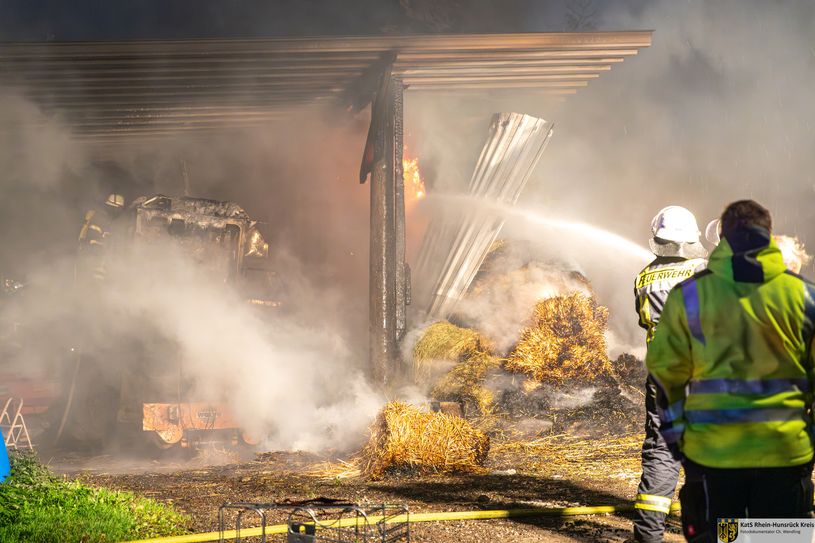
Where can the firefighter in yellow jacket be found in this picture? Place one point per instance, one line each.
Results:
(675, 243)
(733, 356)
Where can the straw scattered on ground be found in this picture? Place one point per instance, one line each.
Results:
(406, 438)
(557, 456)
(572, 457)
(565, 342)
(336, 470)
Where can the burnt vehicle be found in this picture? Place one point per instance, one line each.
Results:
(151, 393)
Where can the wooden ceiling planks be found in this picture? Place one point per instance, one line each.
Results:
(156, 88)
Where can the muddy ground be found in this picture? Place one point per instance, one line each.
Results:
(540, 456)
(557, 471)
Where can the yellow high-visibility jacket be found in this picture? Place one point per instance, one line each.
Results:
(733, 355)
(653, 284)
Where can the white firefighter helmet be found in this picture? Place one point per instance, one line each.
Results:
(675, 223)
(115, 200)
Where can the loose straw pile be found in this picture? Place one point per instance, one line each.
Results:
(565, 342)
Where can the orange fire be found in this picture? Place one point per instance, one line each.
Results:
(414, 186)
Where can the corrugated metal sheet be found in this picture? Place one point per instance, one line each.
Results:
(130, 90)
(515, 145)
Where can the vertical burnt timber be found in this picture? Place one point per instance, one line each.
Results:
(387, 249)
(401, 275)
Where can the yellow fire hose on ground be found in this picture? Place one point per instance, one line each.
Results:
(417, 517)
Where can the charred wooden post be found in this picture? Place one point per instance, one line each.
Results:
(388, 278)
(402, 275)
(382, 295)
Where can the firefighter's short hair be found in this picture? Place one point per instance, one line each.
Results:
(746, 213)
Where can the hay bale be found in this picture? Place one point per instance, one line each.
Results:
(564, 342)
(445, 341)
(405, 438)
(470, 353)
(465, 383)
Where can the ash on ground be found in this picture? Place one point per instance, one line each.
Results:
(613, 404)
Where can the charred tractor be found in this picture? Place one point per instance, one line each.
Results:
(151, 394)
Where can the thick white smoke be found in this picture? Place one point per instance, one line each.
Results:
(718, 109)
(295, 383)
(501, 304)
(293, 376)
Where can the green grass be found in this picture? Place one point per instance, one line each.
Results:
(38, 507)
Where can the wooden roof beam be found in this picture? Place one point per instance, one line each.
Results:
(152, 102)
(553, 85)
(507, 70)
(53, 79)
(208, 66)
(450, 42)
(192, 87)
(515, 55)
(187, 93)
(498, 78)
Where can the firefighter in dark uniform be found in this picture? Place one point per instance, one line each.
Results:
(94, 237)
(675, 243)
(92, 384)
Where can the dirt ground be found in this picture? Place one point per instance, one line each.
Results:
(556, 471)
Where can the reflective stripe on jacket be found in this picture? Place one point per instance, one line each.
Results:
(653, 284)
(733, 354)
(94, 229)
(93, 237)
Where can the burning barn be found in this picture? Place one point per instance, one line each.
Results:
(120, 98)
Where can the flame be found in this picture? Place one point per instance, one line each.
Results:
(414, 186)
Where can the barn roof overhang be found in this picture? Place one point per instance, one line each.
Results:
(129, 91)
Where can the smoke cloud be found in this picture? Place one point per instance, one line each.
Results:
(292, 375)
(718, 109)
(500, 304)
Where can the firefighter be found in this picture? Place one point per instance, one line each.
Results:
(675, 243)
(792, 250)
(93, 238)
(92, 380)
(733, 356)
